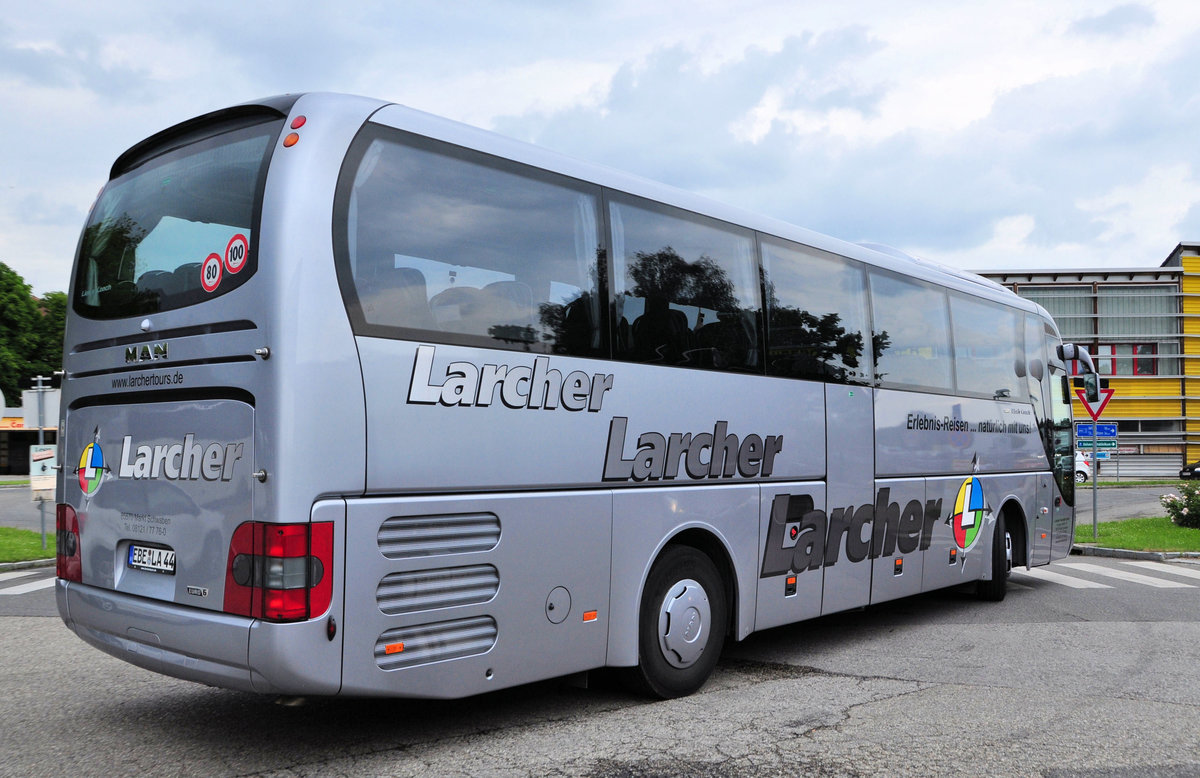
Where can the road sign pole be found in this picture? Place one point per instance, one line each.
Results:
(1095, 478)
(1095, 411)
(41, 441)
(41, 422)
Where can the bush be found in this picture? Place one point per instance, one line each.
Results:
(1184, 508)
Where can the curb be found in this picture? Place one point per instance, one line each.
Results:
(1120, 553)
(7, 566)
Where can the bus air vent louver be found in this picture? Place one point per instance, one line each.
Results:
(405, 537)
(425, 590)
(411, 646)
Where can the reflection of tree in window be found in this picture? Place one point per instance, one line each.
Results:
(664, 275)
(807, 345)
(718, 333)
(513, 333)
(571, 327)
(110, 247)
(880, 342)
(112, 243)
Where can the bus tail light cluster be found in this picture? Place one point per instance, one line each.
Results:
(68, 565)
(280, 572)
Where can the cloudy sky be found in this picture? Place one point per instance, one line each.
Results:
(983, 134)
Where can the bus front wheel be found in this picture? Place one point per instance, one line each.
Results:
(1001, 558)
(681, 624)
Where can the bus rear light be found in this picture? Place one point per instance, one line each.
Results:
(280, 572)
(68, 565)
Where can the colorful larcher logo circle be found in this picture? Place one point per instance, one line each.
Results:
(91, 469)
(969, 509)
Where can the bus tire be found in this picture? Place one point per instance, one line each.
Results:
(681, 623)
(1001, 556)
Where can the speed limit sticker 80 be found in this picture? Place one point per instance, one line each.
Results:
(210, 273)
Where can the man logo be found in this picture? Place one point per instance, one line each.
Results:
(969, 510)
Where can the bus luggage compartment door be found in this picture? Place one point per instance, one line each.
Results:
(451, 596)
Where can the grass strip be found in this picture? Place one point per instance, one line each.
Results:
(22, 545)
(1153, 534)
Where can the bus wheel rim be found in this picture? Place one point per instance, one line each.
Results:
(684, 621)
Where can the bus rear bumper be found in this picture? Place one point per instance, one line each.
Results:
(188, 643)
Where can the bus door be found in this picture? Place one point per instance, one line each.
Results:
(850, 491)
(1041, 383)
(1063, 431)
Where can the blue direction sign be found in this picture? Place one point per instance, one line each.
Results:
(1084, 430)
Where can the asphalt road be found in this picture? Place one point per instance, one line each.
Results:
(1116, 503)
(17, 509)
(1084, 674)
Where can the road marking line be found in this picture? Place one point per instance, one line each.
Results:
(1058, 578)
(1163, 567)
(16, 574)
(1121, 575)
(32, 586)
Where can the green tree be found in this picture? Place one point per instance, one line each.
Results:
(47, 354)
(31, 334)
(18, 332)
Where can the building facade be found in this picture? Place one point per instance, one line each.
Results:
(1142, 326)
(19, 429)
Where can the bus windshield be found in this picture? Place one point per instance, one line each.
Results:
(176, 230)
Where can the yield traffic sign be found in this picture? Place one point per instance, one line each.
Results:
(1098, 408)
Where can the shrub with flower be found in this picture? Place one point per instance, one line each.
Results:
(1184, 508)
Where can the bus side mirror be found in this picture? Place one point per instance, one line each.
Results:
(1069, 351)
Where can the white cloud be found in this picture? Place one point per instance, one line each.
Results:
(987, 133)
(1149, 209)
(1139, 223)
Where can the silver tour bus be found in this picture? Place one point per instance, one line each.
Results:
(362, 401)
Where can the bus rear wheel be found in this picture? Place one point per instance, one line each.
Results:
(681, 624)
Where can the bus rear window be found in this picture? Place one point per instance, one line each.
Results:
(176, 230)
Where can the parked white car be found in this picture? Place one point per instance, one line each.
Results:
(1083, 468)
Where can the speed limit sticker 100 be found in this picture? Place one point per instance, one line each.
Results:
(210, 273)
(236, 253)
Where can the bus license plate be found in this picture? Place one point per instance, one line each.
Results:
(156, 560)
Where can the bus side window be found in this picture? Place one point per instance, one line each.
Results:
(816, 314)
(987, 344)
(447, 245)
(911, 338)
(685, 289)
